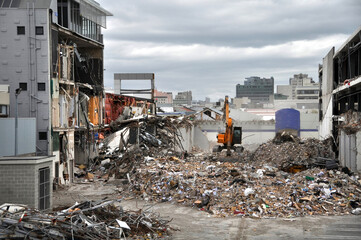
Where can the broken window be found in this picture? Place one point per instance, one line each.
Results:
(3, 110)
(39, 30)
(41, 86)
(21, 30)
(43, 136)
(23, 86)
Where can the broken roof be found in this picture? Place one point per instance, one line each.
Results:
(355, 37)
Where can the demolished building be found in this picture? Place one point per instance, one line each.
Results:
(53, 51)
(340, 99)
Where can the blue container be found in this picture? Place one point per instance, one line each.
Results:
(288, 119)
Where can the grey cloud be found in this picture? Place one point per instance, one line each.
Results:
(172, 23)
(223, 23)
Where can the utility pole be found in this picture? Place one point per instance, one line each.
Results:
(17, 92)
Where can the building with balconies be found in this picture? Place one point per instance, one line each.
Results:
(53, 51)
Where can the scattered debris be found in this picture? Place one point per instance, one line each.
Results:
(86, 220)
(285, 177)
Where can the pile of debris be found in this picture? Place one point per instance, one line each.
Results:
(122, 152)
(351, 123)
(225, 188)
(149, 133)
(290, 153)
(284, 177)
(86, 220)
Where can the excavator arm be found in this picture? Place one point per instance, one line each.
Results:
(231, 135)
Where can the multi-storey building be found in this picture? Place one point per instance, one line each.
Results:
(163, 97)
(258, 90)
(301, 83)
(183, 98)
(307, 92)
(53, 51)
(340, 100)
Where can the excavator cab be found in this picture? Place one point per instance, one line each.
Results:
(237, 135)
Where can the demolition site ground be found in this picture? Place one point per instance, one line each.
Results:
(144, 185)
(288, 188)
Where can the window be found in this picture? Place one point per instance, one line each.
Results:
(44, 188)
(3, 110)
(23, 86)
(39, 30)
(21, 30)
(41, 86)
(63, 13)
(43, 136)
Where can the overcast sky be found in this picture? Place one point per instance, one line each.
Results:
(209, 46)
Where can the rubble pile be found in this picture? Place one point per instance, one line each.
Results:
(86, 220)
(287, 152)
(167, 135)
(285, 177)
(225, 188)
(121, 155)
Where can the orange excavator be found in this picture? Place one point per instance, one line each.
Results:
(232, 135)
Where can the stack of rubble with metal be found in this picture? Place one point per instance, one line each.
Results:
(121, 152)
(86, 220)
(351, 123)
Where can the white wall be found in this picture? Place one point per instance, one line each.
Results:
(26, 136)
(325, 129)
(309, 121)
(188, 138)
(201, 140)
(327, 99)
(252, 131)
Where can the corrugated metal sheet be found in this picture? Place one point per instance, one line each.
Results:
(348, 151)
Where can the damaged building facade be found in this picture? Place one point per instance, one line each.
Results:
(53, 51)
(340, 100)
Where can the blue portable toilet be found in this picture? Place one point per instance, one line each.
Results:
(288, 119)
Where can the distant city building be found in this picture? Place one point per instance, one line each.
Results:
(241, 102)
(307, 92)
(258, 90)
(302, 82)
(279, 96)
(163, 97)
(183, 98)
(301, 93)
(301, 87)
(284, 90)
